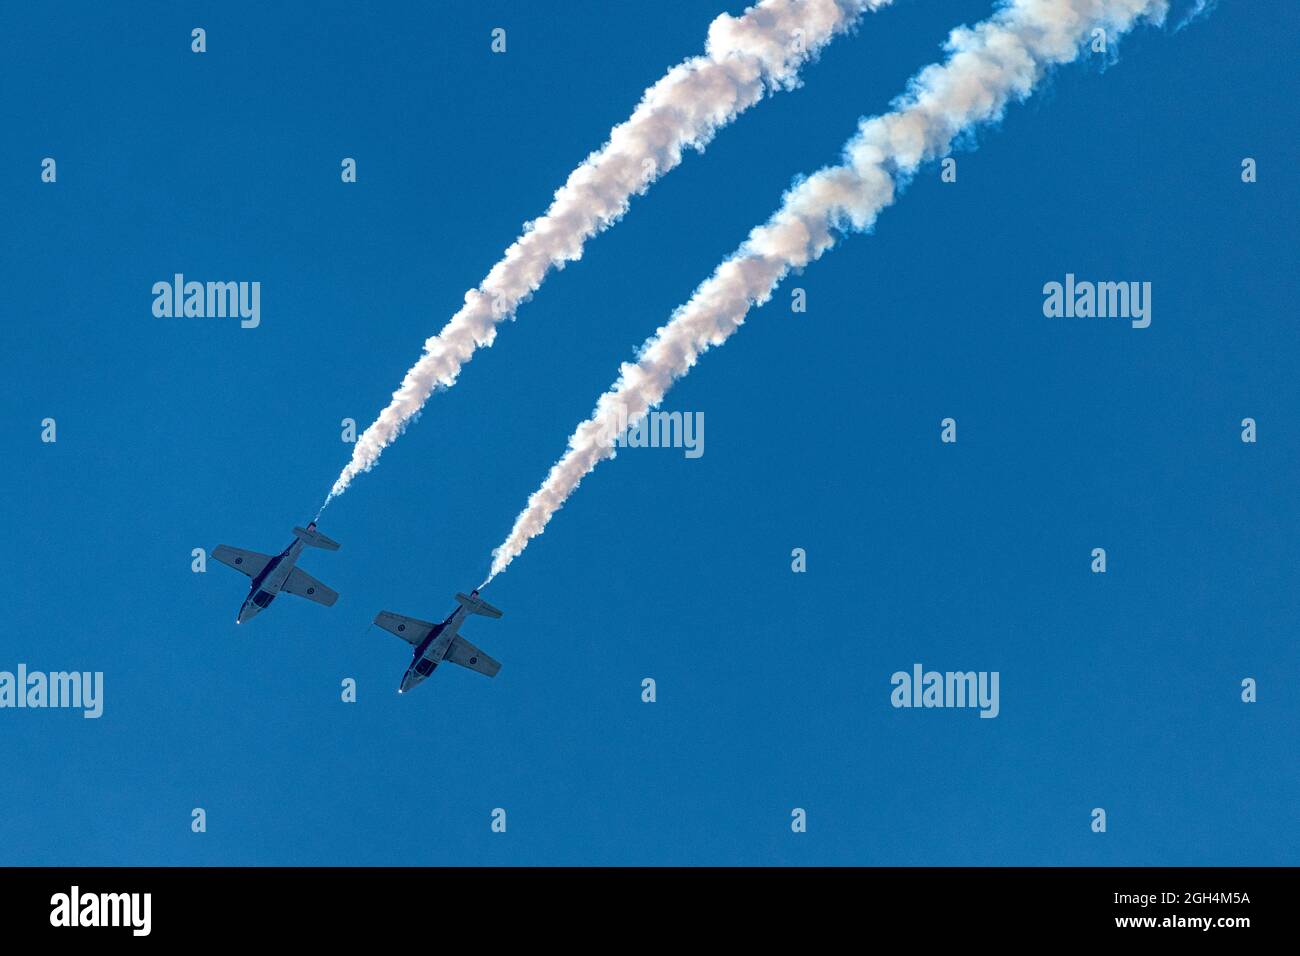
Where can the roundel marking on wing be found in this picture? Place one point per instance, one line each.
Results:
(311, 590)
(473, 660)
(239, 560)
(401, 627)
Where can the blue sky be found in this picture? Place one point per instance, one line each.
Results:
(1119, 690)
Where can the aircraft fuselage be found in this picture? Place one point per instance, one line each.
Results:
(432, 650)
(267, 584)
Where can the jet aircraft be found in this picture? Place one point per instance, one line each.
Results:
(435, 643)
(274, 574)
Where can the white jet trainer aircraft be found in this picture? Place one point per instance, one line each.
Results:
(273, 574)
(435, 643)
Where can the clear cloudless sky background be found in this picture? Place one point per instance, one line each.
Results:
(1119, 691)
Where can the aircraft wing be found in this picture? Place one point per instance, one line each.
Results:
(303, 584)
(465, 654)
(245, 562)
(409, 629)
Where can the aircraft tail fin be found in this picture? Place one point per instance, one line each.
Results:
(309, 535)
(476, 605)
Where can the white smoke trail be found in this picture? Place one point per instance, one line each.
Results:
(987, 66)
(746, 57)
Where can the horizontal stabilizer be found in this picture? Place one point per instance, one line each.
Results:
(476, 605)
(314, 538)
(410, 629)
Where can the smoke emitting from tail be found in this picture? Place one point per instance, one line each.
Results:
(746, 57)
(987, 67)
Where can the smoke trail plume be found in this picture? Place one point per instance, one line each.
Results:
(746, 57)
(987, 67)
